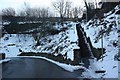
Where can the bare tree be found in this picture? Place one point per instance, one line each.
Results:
(68, 8)
(96, 4)
(8, 12)
(62, 7)
(28, 9)
(21, 13)
(44, 12)
(35, 12)
(76, 12)
(90, 6)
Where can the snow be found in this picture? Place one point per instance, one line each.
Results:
(6, 23)
(108, 63)
(90, 72)
(4, 60)
(20, 42)
(66, 67)
(29, 22)
(65, 41)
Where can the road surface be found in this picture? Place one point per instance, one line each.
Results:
(35, 68)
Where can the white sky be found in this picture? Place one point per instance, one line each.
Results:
(17, 4)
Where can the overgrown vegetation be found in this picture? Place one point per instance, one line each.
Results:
(14, 28)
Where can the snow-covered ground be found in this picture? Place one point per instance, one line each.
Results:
(11, 43)
(109, 64)
(64, 42)
(5, 60)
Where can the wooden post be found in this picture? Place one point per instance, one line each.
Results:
(2, 55)
(77, 56)
(102, 43)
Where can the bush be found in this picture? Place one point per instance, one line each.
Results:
(14, 28)
(54, 31)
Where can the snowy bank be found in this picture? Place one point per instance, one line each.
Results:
(64, 42)
(4, 60)
(66, 67)
(110, 39)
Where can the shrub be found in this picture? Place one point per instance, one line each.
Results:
(54, 31)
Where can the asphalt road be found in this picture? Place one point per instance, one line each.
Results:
(35, 68)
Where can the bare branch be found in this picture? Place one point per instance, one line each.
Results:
(62, 7)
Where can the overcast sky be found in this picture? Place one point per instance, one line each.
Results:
(18, 4)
